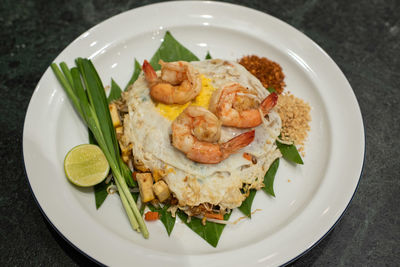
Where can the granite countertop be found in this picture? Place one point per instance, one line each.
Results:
(362, 37)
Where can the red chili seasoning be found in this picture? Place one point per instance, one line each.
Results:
(268, 72)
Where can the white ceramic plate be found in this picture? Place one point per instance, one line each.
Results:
(310, 198)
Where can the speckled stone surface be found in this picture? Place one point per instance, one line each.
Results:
(362, 37)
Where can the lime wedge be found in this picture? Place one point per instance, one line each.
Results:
(86, 165)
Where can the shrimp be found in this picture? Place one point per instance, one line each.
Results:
(178, 84)
(195, 132)
(235, 106)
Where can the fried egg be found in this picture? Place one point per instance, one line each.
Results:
(147, 127)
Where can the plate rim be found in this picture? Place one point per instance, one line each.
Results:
(212, 3)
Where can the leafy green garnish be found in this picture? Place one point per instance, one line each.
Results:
(171, 50)
(67, 74)
(100, 190)
(126, 172)
(270, 177)
(135, 74)
(211, 232)
(289, 152)
(115, 92)
(135, 197)
(92, 140)
(142, 208)
(100, 193)
(208, 56)
(271, 90)
(165, 217)
(245, 208)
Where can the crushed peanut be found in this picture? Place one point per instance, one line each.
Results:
(295, 115)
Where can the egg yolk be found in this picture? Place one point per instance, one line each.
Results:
(202, 99)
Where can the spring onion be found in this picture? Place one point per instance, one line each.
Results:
(86, 92)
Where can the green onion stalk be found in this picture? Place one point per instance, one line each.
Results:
(84, 88)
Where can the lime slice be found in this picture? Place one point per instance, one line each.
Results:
(85, 165)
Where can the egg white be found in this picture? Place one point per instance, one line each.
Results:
(194, 183)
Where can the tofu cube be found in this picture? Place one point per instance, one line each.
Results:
(119, 131)
(127, 150)
(139, 165)
(145, 181)
(161, 190)
(114, 115)
(125, 158)
(158, 175)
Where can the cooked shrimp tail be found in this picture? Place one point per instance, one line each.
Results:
(237, 143)
(150, 73)
(268, 103)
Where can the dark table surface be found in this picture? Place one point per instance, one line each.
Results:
(362, 37)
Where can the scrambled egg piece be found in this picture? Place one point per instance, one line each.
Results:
(203, 99)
